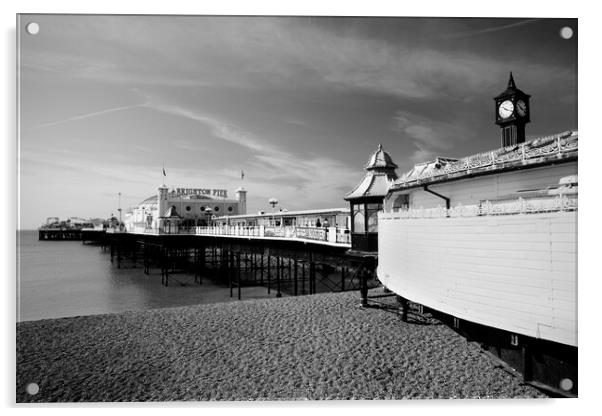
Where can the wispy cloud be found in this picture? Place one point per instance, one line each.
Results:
(82, 116)
(219, 128)
(187, 145)
(428, 136)
(489, 29)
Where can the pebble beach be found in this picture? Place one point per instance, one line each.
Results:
(319, 347)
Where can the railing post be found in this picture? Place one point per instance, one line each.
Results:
(332, 234)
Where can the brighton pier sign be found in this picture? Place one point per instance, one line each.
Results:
(222, 193)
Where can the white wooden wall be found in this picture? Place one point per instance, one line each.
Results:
(471, 191)
(514, 272)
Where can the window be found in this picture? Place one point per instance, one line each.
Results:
(188, 208)
(372, 214)
(202, 209)
(359, 225)
(230, 209)
(216, 208)
(402, 201)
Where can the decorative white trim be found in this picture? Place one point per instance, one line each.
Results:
(545, 146)
(489, 208)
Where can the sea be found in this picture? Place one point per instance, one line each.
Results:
(57, 279)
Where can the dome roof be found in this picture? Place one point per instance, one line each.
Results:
(381, 160)
(152, 198)
(381, 174)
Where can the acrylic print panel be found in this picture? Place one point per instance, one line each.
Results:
(296, 208)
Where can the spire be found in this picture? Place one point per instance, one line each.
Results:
(510, 89)
(511, 83)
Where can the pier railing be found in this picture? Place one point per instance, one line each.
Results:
(328, 235)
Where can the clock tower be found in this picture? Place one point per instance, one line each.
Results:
(512, 112)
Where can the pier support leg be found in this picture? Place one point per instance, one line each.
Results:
(343, 278)
(134, 254)
(303, 279)
(279, 265)
(145, 260)
(162, 262)
(119, 255)
(527, 364)
(224, 263)
(202, 263)
(261, 270)
(238, 274)
(312, 278)
(364, 287)
(167, 261)
(404, 307)
(229, 270)
(268, 276)
(295, 272)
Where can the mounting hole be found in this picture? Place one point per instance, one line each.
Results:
(32, 28)
(566, 384)
(566, 32)
(32, 388)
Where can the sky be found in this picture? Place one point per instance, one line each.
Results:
(297, 103)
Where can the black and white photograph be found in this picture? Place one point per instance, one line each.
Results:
(285, 208)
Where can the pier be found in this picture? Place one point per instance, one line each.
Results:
(296, 262)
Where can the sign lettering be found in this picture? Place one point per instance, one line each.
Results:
(221, 193)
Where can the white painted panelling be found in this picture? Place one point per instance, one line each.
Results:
(514, 272)
(471, 191)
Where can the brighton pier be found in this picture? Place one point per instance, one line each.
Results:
(486, 244)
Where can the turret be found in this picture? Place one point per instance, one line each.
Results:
(241, 197)
(367, 199)
(162, 193)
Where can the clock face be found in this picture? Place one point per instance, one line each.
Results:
(521, 108)
(505, 109)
